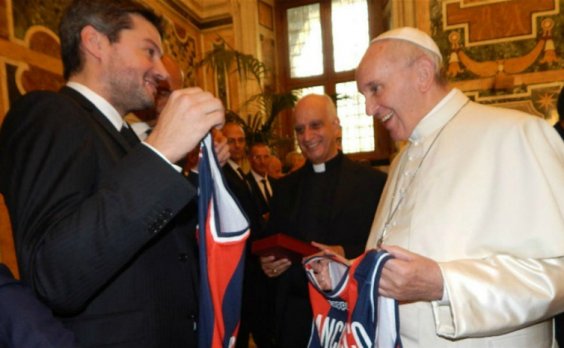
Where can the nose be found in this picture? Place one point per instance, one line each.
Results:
(307, 134)
(161, 72)
(371, 107)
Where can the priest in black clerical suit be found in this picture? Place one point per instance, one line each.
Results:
(330, 200)
(334, 206)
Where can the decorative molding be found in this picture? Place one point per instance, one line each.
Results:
(487, 22)
(204, 14)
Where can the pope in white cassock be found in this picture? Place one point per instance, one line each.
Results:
(473, 210)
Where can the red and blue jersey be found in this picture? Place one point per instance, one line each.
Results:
(349, 312)
(222, 232)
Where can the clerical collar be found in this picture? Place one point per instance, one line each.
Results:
(332, 163)
(319, 168)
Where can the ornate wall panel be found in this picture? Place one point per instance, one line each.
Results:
(509, 53)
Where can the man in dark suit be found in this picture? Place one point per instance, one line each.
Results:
(330, 201)
(25, 321)
(259, 288)
(259, 182)
(97, 216)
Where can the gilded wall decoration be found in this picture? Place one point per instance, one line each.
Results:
(507, 53)
(180, 45)
(27, 13)
(29, 77)
(4, 33)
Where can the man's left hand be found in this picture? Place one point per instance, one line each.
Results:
(409, 277)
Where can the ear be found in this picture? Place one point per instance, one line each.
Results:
(425, 73)
(92, 41)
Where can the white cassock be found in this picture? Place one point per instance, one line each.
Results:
(483, 195)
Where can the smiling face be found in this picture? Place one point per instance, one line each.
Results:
(387, 77)
(133, 67)
(316, 126)
(259, 158)
(235, 140)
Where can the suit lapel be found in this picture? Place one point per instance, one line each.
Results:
(102, 123)
(261, 203)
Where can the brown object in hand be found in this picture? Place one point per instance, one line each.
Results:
(281, 246)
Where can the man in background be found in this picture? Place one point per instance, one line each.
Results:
(329, 201)
(472, 211)
(260, 183)
(293, 161)
(98, 220)
(275, 168)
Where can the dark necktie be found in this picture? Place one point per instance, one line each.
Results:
(266, 192)
(129, 135)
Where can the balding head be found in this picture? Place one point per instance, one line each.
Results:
(235, 140)
(316, 126)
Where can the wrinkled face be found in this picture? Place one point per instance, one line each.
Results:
(387, 81)
(236, 141)
(259, 158)
(316, 130)
(134, 67)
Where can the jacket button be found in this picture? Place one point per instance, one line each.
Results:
(183, 257)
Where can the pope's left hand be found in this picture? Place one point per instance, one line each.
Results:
(409, 277)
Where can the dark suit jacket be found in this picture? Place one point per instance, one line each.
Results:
(262, 205)
(98, 225)
(26, 322)
(350, 218)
